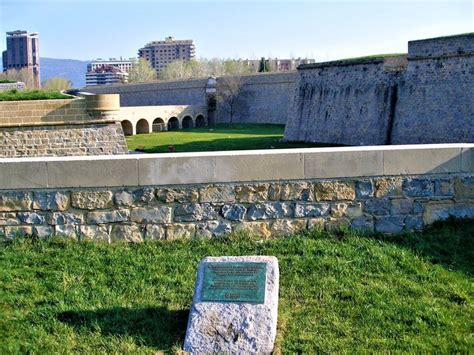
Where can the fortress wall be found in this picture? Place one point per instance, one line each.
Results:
(169, 196)
(379, 102)
(180, 92)
(264, 98)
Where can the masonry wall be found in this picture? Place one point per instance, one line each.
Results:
(168, 196)
(376, 101)
(59, 128)
(264, 98)
(179, 92)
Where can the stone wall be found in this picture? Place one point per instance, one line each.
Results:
(61, 127)
(168, 196)
(377, 101)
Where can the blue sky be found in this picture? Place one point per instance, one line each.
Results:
(322, 30)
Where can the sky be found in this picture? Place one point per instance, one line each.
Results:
(324, 30)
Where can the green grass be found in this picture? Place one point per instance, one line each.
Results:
(339, 292)
(219, 137)
(7, 81)
(15, 95)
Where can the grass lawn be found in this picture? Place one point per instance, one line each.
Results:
(15, 95)
(339, 292)
(219, 137)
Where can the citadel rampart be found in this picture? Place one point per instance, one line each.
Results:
(168, 196)
(61, 127)
(375, 101)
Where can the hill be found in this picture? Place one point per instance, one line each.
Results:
(70, 69)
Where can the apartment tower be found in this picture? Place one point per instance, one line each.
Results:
(161, 53)
(23, 52)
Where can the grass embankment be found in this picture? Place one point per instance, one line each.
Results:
(15, 95)
(219, 137)
(339, 292)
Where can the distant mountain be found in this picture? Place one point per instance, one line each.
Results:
(70, 69)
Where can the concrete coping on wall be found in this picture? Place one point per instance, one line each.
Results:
(235, 166)
(353, 61)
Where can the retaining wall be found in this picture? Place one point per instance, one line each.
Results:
(379, 101)
(61, 127)
(167, 196)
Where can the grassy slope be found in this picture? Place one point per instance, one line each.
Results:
(220, 137)
(14, 95)
(338, 292)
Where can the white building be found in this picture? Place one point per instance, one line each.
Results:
(105, 75)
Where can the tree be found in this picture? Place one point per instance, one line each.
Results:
(56, 84)
(264, 66)
(228, 92)
(141, 72)
(24, 75)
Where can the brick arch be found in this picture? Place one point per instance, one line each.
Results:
(187, 122)
(158, 125)
(127, 127)
(173, 124)
(201, 121)
(143, 126)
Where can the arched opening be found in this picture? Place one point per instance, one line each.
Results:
(173, 124)
(127, 128)
(158, 125)
(201, 121)
(143, 126)
(187, 122)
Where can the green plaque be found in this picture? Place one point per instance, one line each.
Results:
(234, 282)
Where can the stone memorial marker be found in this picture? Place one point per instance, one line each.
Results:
(235, 305)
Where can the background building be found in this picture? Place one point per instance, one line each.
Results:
(23, 52)
(123, 64)
(105, 75)
(277, 65)
(161, 53)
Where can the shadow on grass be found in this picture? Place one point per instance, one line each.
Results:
(226, 144)
(155, 327)
(236, 128)
(449, 243)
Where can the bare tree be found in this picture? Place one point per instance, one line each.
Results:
(24, 75)
(141, 72)
(56, 84)
(228, 92)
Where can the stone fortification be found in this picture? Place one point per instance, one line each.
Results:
(382, 101)
(179, 92)
(168, 196)
(61, 127)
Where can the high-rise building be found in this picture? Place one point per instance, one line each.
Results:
(23, 52)
(123, 64)
(161, 53)
(105, 75)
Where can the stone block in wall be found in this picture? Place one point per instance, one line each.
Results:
(125, 232)
(31, 217)
(18, 231)
(234, 212)
(43, 231)
(337, 223)
(401, 206)
(66, 230)
(223, 193)
(332, 190)
(145, 195)
(444, 187)
(90, 200)
(260, 229)
(346, 209)
(311, 209)
(389, 224)
(50, 201)
(87, 232)
(385, 187)
(180, 231)
(413, 222)
(155, 232)
(418, 187)
(438, 211)
(213, 229)
(378, 206)
(316, 223)
(252, 193)
(9, 219)
(270, 210)
(363, 223)
(15, 201)
(190, 212)
(464, 187)
(286, 227)
(302, 191)
(60, 218)
(160, 214)
(101, 217)
(169, 195)
(123, 198)
(364, 189)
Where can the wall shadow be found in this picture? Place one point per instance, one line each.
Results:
(156, 327)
